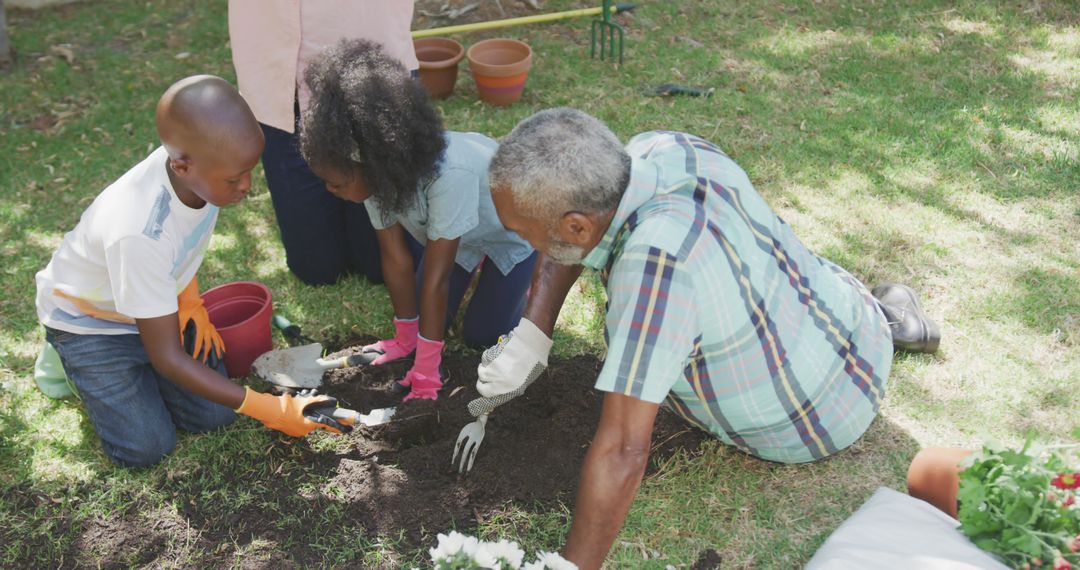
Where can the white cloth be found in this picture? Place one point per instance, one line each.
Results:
(896, 531)
(134, 249)
(519, 358)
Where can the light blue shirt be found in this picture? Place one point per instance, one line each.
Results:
(457, 204)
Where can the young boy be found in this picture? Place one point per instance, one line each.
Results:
(121, 291)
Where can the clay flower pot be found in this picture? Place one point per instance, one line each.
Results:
(934, 476)
(500, 67)
(438, 59)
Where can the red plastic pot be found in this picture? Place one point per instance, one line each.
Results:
(241, 311)
(439, 58)
(500, 67)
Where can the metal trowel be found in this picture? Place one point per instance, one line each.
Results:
(303, 366)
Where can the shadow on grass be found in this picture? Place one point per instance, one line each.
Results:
(295, 504)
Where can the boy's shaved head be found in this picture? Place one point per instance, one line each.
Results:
(212, 138)
(205, 116)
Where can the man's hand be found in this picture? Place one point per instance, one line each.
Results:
(610, 477)
(518, 359)
(284, 413)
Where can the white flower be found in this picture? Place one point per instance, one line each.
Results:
(470, 546)
(483, 557)
(449, 545)
(508, 551)
(552, 561)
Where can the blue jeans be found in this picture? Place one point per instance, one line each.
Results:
(324, 236)
(135, 410)
(496, 304)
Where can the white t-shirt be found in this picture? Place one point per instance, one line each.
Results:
(134, 249)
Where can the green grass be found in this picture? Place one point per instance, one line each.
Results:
(931, 143)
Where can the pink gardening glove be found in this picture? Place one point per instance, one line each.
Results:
(424, 377)
(404, 342)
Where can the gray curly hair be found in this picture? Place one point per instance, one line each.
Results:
(561, 160)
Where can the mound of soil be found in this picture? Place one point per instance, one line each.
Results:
(393, 480)
(402, 478)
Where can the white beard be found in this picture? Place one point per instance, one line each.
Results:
(564, 253)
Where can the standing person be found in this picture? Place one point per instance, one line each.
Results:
(120, 293)
(372, 134)
(715, 308)
(272, 43)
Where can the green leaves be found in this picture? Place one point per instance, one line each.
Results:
(1009, 508)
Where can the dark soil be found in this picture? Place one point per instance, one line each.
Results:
(531, 453)
(393, 480)
(708, 560)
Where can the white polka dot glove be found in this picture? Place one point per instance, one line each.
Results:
(519, 358)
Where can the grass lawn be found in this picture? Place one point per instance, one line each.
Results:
(932, 143)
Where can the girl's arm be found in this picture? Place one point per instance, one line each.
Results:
(439, 258)
(398, 271)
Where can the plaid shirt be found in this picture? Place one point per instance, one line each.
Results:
(716, 309)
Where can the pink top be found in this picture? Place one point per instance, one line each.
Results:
(273, 40)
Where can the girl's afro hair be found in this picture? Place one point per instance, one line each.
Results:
(369, 117)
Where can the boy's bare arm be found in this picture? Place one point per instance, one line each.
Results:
(161, 339)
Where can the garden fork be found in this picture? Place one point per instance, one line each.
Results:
(468, 441)
(608, 30)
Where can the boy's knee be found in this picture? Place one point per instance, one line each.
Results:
(149, 450)
(214, 417)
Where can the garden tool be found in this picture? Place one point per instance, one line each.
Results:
(296, 414)
(608, 29)
(536, 19)
(343, 418)
(472, 434)
(373, 418)
(468, 441)
(303, 366)
(668, 89)
(290, 331)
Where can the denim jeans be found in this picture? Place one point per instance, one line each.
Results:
(497, 303)
(324, 236)
(135, 410)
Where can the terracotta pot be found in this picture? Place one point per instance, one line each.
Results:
(500, 67)
(934, 476)
(439, 59)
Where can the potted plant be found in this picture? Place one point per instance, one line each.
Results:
(1021, 505)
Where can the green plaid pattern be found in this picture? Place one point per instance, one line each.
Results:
(717, 310)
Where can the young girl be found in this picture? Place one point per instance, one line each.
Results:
(373, 136)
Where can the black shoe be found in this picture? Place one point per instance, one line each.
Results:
(911, 329)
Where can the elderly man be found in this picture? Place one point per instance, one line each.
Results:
(715, 308)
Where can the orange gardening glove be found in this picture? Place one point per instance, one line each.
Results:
(287, 413)
(192, 310)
